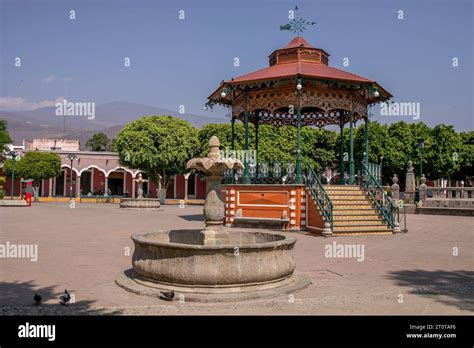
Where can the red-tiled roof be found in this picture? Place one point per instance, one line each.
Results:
(300, 68)
(298, 42)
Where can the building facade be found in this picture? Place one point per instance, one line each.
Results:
(95, 173)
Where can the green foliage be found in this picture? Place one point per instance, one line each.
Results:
(99, 142)
(159, 145)
(275, 143)
(4, 135)
(446, 153)
(35, 165)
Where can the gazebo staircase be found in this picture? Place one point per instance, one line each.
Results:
(352, 209)
(354, 212)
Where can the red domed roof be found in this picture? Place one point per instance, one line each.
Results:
(298, 42)
(299, 59)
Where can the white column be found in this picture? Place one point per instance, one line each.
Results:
(54, 186)
(42, 188)
(133, 187)
(50, 187)
(92, 179)
(186, 178)
(78, 186)
(106, 183)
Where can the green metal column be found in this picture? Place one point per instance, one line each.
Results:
(351, 150)
(246, 148)
(298, 178)
(342, 181)
(366, 157)
(256, 147)
(232, 144)
(232, 134)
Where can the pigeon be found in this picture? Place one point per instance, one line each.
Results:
(167, 295)
(64, 299)
(37, 298)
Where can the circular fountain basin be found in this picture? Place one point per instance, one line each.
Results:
(140, 203)
(239, 258)
(242, 265)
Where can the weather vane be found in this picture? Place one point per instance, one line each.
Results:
(296, 24)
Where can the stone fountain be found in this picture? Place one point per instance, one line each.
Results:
(140, 201)
(216, 263)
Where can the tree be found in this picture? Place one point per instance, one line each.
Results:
(276, 144)
(447, 146)
(99, 142)
(158, 145)
(35, 165)
(4, 135)
(466, 156)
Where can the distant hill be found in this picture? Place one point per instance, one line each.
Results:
(109, 119)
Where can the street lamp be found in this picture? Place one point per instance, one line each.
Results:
(299, 178)
(421, 145)
(13, 155)
(71, 157)
(381, 175)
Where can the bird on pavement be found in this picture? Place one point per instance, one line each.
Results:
(64, 299)
(37, 298)
(167, 295)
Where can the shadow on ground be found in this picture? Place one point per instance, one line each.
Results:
(455, 288)
(17, 299)
(195, 217)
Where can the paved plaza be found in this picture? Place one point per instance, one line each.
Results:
(429, 270)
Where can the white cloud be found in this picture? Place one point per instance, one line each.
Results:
(21, 104)
(49, 79)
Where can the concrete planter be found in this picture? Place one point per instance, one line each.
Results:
(140, 203)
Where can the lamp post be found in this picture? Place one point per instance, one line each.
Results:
(381, 175)
(71, 157)
(13, 155)
(421, 145)
(299, 87)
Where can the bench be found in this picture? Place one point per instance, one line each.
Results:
(257, 222)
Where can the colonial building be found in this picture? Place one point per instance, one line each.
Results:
(95, 172)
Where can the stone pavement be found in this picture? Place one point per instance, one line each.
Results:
(429, 270)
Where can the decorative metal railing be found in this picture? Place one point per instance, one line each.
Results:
(375, 169)
(313, 183)
(383, 203)
(263, 173)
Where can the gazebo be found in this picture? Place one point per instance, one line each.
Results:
(299, 89)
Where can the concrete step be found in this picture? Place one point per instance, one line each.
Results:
(354, 211)
(351, 201)
(352, 206)
(334, 196)
(351, 223)
(356, 217)
(361, 228)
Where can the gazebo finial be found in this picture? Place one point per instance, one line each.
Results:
(296, 24)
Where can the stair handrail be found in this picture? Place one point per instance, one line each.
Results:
(313, 183)
(384, 204)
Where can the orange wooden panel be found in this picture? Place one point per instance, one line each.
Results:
(263, 198)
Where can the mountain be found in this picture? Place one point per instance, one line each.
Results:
(109, 119)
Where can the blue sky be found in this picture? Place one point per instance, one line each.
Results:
(180, 62)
